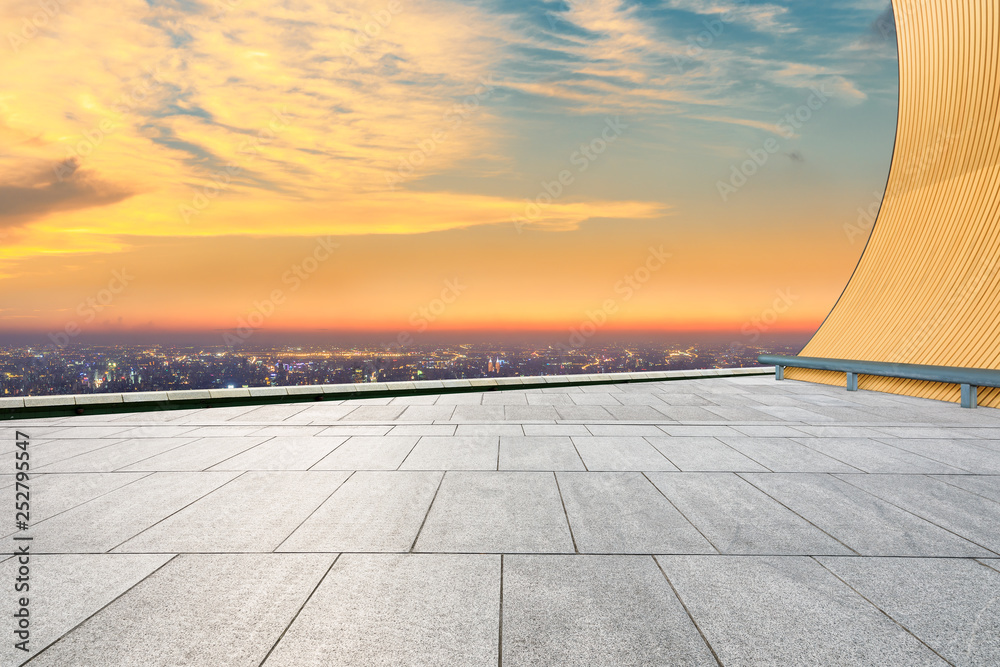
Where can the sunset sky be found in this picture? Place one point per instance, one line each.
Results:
(496, 165)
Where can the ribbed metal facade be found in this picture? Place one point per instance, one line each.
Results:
(927, 288)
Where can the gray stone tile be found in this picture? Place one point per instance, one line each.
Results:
(289, 430)
(225, 431)
(623, 513)
(872, 456)
(255, 512)
(962, 622)
(270, 413)
(595, 398)
(454, 453)
(973, 517)
(325, 414)
(478, 413)
(987, 486)
(933, 432)
(583, 413)
(742, 414)
(113, 457)
(283, 453)
(489, 429)
(423, 429)
(549, 399)
(622, 429)
(768, 431)
(620, 453)
(686, 430)
(703, 453)
(684, 413)
(505, 398)
(496, 512)
(397, 609)
(375, 413)
(66, 589)
(372, 511)
(198, 455)
(555, 429)
(740, 519)
(164, 621)
(530, 413)
(355, 429)
(467, 398)
(424, 399)
(55, 493)
(834, 431)
(962, 454)
(634, 413)
(538, 453)
(870, 526)
(368, 453)
(812, 416)
(81, 432)
(787, 610)
(156, 431)
(427, 413)
(785, 455)
(594, 610)
(107, 521)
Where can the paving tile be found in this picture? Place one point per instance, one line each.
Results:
(81, 432)
(283, 453)
(496, 512)
(198, 455)
(362, 452)
(595, 398)
(785, 455)
(622, 429)
(740, 519)
(466, 398)
(684, 413)
(739, 414)
(372, 511)
(620, 453)
(165, 621)
(454, 453)
(963, 621)
(973, 517)
(355, 429)
(289, 430)
(325, 414)
(962, 454)
(505, 398)
(530, 413)
(623, 513)
(583, 413)
(67, 589)
(225, 431)
(555, 429)
(787, 610)
(768, 431)
(872, 456)
(538, 453)
(423, 429)
(686, 430)
(427, 413)
(374, 413)
(107, 521)
(489, 429)
(396, 609)
(542, 398)
(424, 399)
(255, 512)
(117, 456)
(933, 432)
(870, 526)
(703, 453)
(48, 452)
(812, 416)
(594, 610)
(270, 413)
(987, 486)
(477, 413)
(55, 493)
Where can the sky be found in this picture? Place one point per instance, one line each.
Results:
(429, 165)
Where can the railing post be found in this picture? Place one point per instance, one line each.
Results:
(970, 395)
(852, 381)
(779, 372)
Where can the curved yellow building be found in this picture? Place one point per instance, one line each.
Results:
(927, 288)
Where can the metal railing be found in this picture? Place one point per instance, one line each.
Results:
(970, 379)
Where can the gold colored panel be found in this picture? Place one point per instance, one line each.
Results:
(927, 288)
